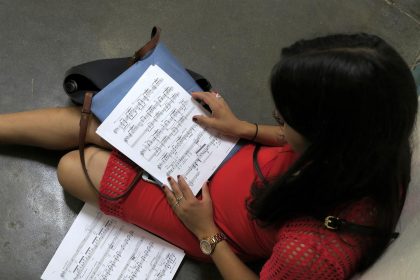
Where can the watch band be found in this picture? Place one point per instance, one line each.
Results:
(217, 238)
(208, 244)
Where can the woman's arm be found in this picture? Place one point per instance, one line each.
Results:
(197, 215)
(229, 265)
(269, 135)
(224, 121)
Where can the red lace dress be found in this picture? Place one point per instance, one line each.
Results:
(301, 249)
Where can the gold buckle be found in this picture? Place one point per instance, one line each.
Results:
(331, 222)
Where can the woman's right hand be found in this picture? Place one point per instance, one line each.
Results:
(222, 119)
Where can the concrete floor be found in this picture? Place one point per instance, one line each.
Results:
(233, 43)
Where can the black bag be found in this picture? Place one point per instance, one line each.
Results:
(95, 75)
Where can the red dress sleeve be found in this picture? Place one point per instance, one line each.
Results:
(305, 249)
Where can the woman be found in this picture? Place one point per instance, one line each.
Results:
(346, 106)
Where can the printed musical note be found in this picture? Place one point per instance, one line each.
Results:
(102, 247)
(156, 131)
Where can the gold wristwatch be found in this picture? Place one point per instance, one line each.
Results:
(208, 244)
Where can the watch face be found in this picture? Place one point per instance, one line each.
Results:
(205, 247)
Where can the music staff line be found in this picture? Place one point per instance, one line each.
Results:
(139, 107)
(113, 254)
(66, 268)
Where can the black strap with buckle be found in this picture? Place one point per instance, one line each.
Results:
(337, 224)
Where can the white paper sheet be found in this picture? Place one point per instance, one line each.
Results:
(153, 126)
(103, 247)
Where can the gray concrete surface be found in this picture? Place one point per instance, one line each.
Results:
(233, 43)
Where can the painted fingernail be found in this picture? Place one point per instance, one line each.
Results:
(178, 176)
(169, 178)
(194, 119)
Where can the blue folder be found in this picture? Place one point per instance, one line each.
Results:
(105, 101)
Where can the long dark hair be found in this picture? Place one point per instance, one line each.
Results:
(354, 99)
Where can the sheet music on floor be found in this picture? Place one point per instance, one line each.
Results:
(98, 246)
(153, 126)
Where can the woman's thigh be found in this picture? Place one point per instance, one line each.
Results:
(72, 178)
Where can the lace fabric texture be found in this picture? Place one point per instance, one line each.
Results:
(118, 174)
(307, 250)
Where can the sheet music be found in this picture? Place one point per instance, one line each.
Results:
(103, 247)
(153, 126)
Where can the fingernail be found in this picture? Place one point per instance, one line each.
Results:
(169, 178)
(194, 119)
(178, 176)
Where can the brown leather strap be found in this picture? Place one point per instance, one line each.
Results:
(86, 112)
(84, 123)
(139, 55)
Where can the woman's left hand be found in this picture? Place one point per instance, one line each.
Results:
(197, 215)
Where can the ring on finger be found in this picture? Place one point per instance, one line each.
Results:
(178, 199)
(216, 93)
